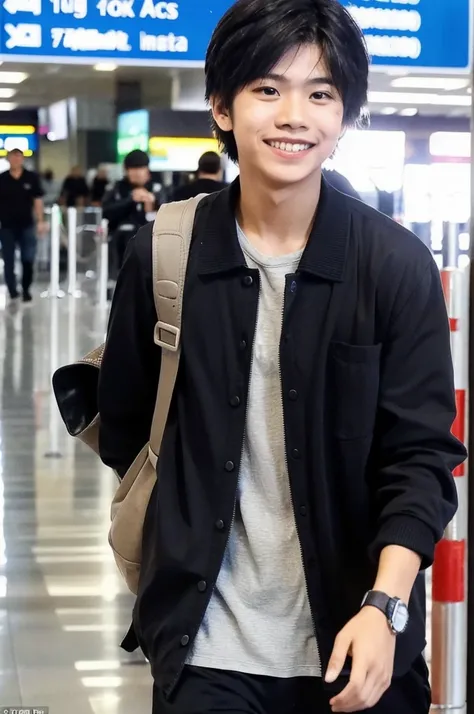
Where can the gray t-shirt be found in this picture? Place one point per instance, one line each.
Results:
(259, 619)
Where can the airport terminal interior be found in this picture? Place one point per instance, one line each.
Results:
(75, 102)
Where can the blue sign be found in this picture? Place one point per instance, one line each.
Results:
(411, 33)
(427, 34)
(125, 31)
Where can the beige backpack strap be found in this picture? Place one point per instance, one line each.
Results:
(172, 234)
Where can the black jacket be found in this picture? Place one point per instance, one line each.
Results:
(119, 208)
(368, 401)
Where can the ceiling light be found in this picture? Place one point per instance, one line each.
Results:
(388, 110)
(446, 83)
(408, 112)
(7, 92)
(455, 100)
(105, 67)
(12, 77)
(7, 106)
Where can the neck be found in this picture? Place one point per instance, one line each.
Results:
(16, 172)
(212, 177)
(278, 220)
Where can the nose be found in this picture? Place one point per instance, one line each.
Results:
(292, 114)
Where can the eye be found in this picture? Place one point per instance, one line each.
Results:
(320, 96)
(267, 91)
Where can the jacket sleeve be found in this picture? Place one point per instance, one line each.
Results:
(130, 368)
(415, 451)
(116, 210)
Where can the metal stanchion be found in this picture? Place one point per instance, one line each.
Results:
(54, 290)
(103, 265)
(72, 253)
(453, 245)
(449, 614)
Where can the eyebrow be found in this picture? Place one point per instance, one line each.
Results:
(316, 81)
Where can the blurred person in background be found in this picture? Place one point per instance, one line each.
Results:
(131, 203)
(74, 191)
(209, 178)
(99, 186)
(51, 187)
(21, 221)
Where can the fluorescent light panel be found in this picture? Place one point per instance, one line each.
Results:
(445, 83)
(7, 106)
(7, 92)
(390, 98)
(12, 77)
(105, 67)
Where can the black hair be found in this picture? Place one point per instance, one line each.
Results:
(15, 151)
(209, 163)
(254, 35)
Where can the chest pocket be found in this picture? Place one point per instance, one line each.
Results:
(355, 371)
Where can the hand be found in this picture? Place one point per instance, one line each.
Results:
(367, 638)
(141, 195)
(41, 229)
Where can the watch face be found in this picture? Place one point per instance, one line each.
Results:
(400, 618)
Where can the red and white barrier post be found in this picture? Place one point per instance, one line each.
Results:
(449, 614)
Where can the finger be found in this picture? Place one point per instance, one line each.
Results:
(350, 698)
(338, 657)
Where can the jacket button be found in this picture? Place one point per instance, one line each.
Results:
(296, 454)
(303, 510)
(184, 640)
(293, 394)
(202, 586)
(220, 525)
(248, 281)
(230, 466)
(235, 401)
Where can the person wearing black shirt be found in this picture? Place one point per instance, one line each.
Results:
(209, 178)
(75, 191)
(21, 203)
(99, 187)
(131, 203)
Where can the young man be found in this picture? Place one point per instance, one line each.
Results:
(128, 205)
(21, 220)
(306, 465)
(209, 178)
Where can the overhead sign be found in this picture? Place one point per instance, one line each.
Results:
(172, 153)
(411, 33)
(132, 132)
(424, 34)
(127, 31)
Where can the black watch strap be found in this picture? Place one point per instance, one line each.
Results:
(380, 600)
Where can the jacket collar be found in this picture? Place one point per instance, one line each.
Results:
(325, 252)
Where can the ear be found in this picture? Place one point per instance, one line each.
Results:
(221, 114)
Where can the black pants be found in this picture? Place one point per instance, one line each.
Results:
(25, 239)
(210, 691)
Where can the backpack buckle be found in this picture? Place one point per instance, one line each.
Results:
(167, 336)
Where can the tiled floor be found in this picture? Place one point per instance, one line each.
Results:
(63, 607)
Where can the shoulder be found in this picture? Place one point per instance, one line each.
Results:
(384, 240)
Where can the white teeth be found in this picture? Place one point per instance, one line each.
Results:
(290, 148)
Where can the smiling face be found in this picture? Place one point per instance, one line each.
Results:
(288, 123)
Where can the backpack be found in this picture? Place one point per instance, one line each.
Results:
(75, 387)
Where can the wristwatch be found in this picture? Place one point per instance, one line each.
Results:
(393, 608)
